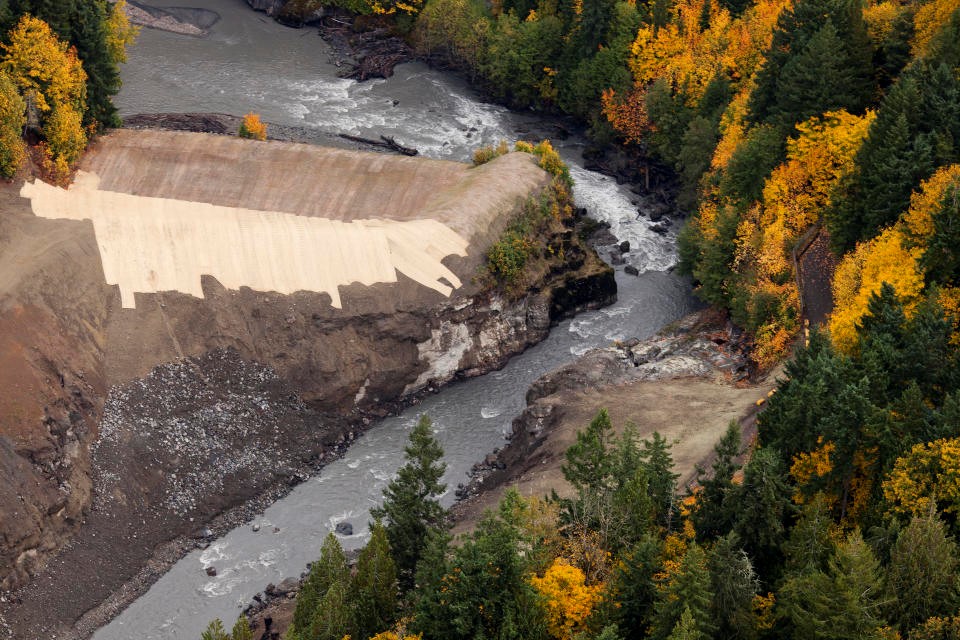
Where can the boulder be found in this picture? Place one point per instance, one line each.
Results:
(344, 529)
(270, 7)
(288, 586)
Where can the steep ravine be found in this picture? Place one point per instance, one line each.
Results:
(209, 402)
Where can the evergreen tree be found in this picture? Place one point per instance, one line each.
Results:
(241, 629)
(661, 479)
(215, 631)
(733, 583)
(430, 596)
(818, 79)
(762, 508)
(484, 592)
(809, 545)
(696, 151)
(715, 510)
(334, 616)
(594, 25)
(843, 603)
(330, 569)
(686, 628)
(410, 507)
(373, 590)
(922, 577)
(709, 259)
(633, 587)
(688, 588)
(756, 156)
(914, 133)
(587, 464)
(796, 27)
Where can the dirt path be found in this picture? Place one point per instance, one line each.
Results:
(817, 264)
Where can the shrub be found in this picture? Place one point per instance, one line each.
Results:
(487, 153)
(252, 128)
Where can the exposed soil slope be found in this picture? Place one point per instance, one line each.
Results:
(212, 401)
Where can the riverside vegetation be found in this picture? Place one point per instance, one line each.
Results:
(59, 67)
(780, 118)
(776, 116)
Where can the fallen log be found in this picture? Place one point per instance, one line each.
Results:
(385, 142)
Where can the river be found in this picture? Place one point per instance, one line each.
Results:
(249, 63)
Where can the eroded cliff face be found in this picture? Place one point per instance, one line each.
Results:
(52, 317)
(211, 401)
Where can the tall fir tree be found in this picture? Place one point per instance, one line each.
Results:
(331, 568)
(373, 590)
(922, 577)
(763, 508)
(410, 506)
(715, 510)
(689, 588)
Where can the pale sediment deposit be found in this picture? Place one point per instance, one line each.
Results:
(313, 219)
(162, 244)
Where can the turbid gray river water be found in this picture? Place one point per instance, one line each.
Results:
(249, 63)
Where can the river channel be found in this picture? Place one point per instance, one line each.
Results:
(249, 63)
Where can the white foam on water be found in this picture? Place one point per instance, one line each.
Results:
(214, 553)
(489, 412)
(580, 349)
(606, 201)
(581, 327)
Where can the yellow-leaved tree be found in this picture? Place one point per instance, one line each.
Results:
(120, 33)
(569, 600)
(895, 257)
(861, 274)
(12, 120)
(52, 80)
(794, 196)
(927, 22)
(252, 127)
(928, 476)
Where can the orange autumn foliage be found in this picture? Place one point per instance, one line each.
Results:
(568, 599)
(928, 21)
(49, 75)
(627, 114)
(252, 127)
(794, 196)
(861, 274)
(892, 257)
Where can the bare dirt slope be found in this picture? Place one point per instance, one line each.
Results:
(245, 390)
(53, 311)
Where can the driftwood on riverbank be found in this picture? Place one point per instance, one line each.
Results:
(367, 54)
(225, 124)
(386, 142)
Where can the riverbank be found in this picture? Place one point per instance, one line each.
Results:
(686, 383)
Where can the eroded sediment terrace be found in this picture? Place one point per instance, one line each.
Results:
(169, 207)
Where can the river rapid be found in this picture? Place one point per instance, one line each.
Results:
(249, 63)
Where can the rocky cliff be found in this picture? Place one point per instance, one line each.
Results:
(127, 428)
